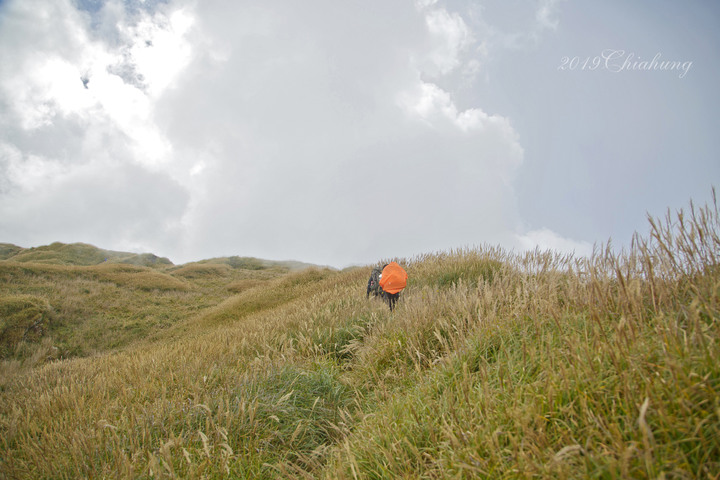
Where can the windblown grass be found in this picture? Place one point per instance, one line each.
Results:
(493, 365)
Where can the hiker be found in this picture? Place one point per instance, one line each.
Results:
(387, 282)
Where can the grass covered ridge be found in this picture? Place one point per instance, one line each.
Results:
(92, 308)
(493, 365)
(77, 254)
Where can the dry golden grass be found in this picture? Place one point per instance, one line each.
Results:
(493, 365)
(240, 286)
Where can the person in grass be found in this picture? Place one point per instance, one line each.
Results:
(387, 283)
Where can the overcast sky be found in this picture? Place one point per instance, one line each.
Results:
(348, 132)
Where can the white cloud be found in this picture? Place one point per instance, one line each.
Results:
(157, 48)
(546, 14)
(433, 105)
(546, 239)
(328, 135)
(74, 127)
(88, 79)
(451, 38)
(30, 174)
(109, 205)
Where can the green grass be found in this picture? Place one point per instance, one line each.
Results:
(8, 250)
(77, 254)
(23, 319)
(99, 307)
(493, 365)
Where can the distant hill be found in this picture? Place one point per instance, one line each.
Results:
(81, 254)
(87, 300)
(251, 263)
(8, 250)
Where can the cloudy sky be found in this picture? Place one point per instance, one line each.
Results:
(348, 132)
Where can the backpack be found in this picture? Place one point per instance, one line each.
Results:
(374, 282)
(393, 278)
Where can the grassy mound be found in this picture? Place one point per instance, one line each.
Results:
(251, 263)
(136, 277)
(200, 270)
(103, 307)
(146, 260)
(77, 254)
(8, 250)
(23, 318)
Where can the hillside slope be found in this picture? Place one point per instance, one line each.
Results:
(8, 250)
(493, 365)
(68, 300)
(77, 254)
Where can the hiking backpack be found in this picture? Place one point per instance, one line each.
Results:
(393, 278)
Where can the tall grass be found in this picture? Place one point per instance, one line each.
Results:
(92, 309)
(557, 367)
(493, 365)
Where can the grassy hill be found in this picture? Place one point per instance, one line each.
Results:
(64, 301)
(76, 254)
(8, 250)
(493, 365)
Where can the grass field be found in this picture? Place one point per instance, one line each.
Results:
(493, 365)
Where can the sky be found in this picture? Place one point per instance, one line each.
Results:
(344, 133)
